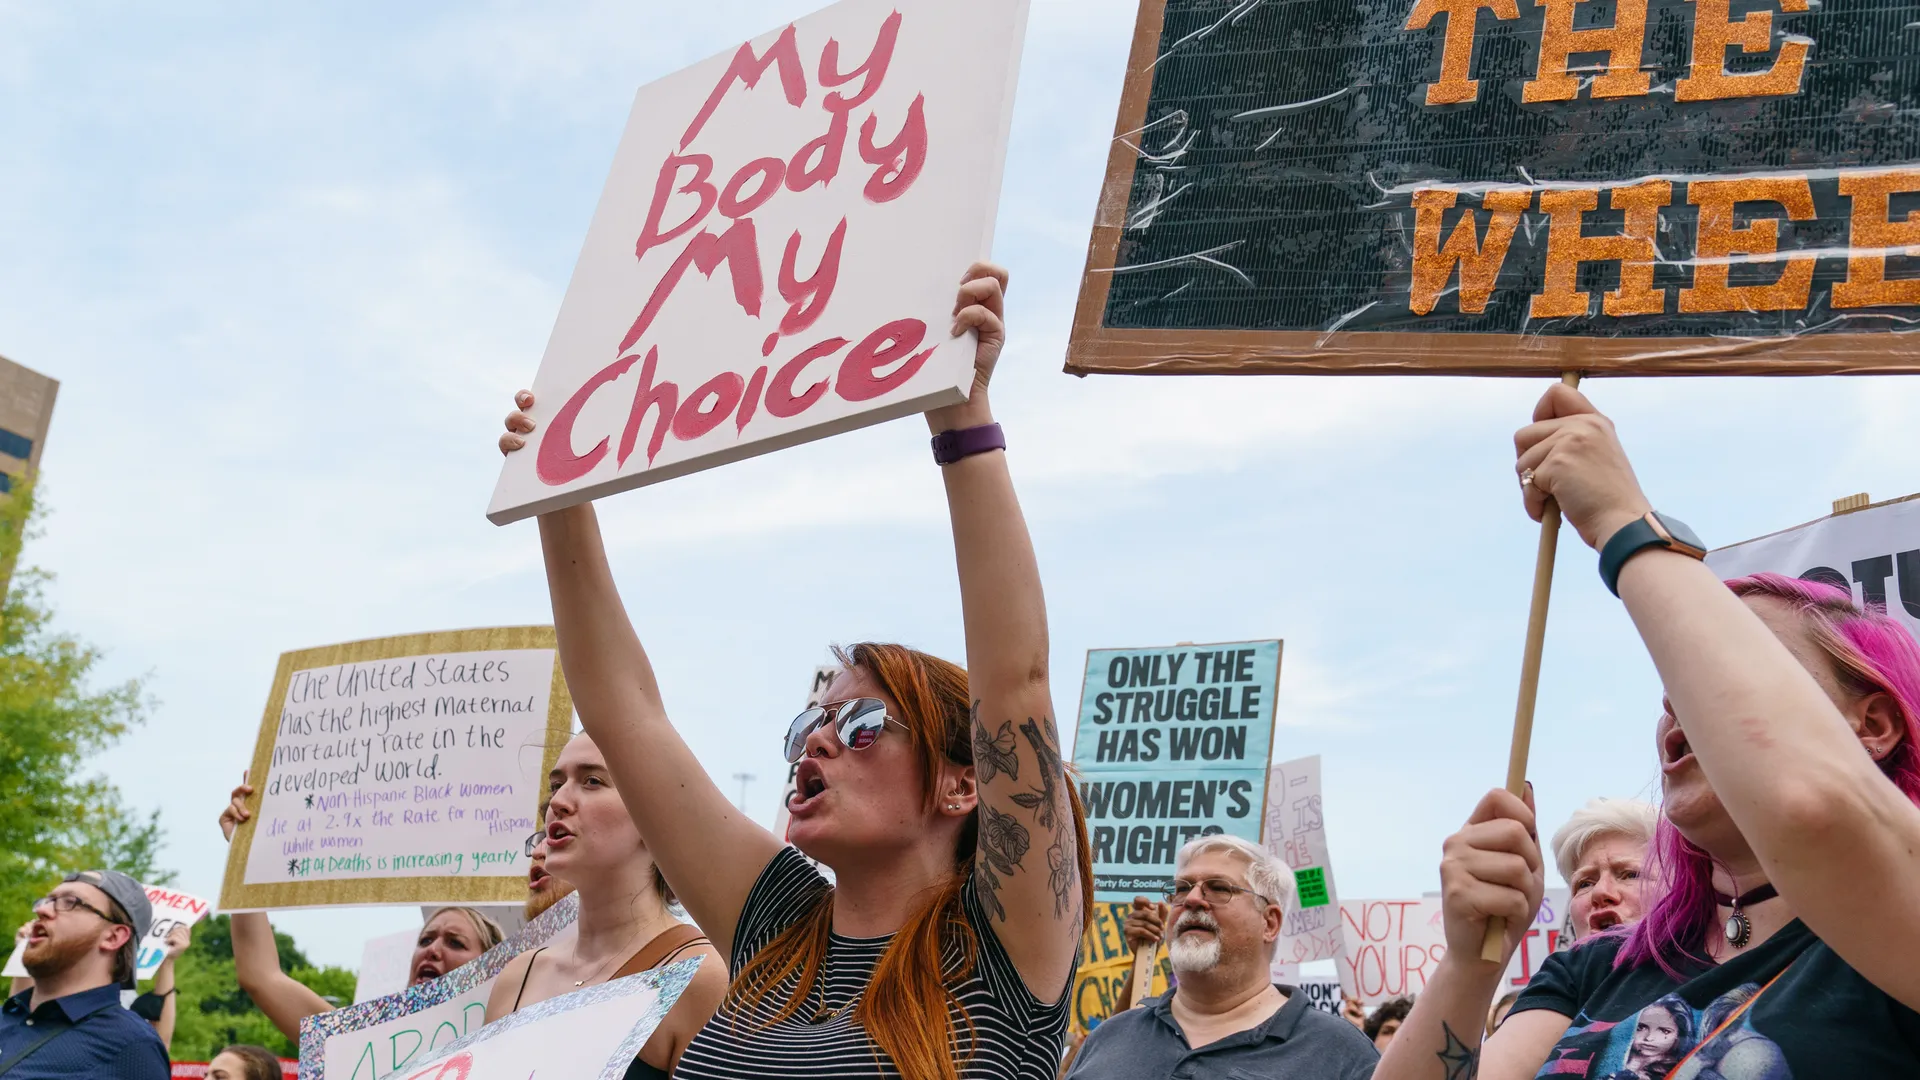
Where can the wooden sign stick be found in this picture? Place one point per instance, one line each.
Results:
(1143, 962)
(1529, 678)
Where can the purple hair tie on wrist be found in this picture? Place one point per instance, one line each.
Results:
(951, 446)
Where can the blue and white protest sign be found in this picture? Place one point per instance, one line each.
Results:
(1172, 743)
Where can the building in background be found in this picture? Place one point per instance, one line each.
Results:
(26, 408)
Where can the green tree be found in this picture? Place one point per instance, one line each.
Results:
(55, 818)
(213, 1012)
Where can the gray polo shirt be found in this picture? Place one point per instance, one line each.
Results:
(1298, 1042)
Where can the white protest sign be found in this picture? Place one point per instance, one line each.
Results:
(381, 1037)
(403, 769)
(16, 968)
(1874, 553)
(590, 1034)
(775, 254)
(1322, 991)
(1392, 946)
(171, 908)
(385, 963)
(1296, 831)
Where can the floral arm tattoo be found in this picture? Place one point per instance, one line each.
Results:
(1459, 1061)
(1063, 865)
(1003, 844)
(1004, 839)
(993, 755)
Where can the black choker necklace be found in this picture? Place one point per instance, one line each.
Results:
(1739, 928)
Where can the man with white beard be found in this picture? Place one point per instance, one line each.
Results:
(1224, 1018)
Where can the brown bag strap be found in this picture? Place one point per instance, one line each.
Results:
(664, 944)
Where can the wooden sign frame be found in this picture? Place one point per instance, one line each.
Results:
(237, 895)
(1095, 349)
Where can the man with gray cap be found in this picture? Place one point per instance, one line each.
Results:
(81, 950)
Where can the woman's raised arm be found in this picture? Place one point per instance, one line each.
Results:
(709, 851)
(1028, 869)
(1834, 835)
(256, 955)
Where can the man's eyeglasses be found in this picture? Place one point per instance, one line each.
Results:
(1213, 891)
(66, 903)
(857, 721)
(534, 841)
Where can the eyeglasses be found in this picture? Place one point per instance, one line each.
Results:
(63, 903)
(1212, 890)
(857, 721)
(533, 841)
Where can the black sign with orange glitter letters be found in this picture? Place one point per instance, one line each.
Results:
(1511, 187)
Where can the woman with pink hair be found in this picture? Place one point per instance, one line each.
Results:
(1788, 854)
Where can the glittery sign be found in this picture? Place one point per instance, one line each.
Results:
(1492, 187)
(644, 998)
(469, 982)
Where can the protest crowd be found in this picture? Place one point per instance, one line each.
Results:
(925, 912)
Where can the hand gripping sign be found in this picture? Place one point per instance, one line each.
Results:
(774, 256)
(1489, 187)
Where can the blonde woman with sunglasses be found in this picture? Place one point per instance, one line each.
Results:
(937, 796)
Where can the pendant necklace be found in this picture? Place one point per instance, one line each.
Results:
(1739, 928)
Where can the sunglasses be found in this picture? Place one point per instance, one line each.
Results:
(857, 721)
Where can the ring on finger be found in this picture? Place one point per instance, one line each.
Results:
(1526, 478)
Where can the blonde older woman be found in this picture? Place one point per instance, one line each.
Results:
(1601, 851)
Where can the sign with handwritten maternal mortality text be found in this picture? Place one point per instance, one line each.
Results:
(1509, 187)
(1171, 743)
(401, 770)
(775, 255)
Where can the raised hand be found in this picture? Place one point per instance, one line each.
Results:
(178, 939)
(519, 424)
(1570, 453)
(980, 306)
(1492, 866)
(1145, 924)
(236, 811)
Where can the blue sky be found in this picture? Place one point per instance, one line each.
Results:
(290, 263)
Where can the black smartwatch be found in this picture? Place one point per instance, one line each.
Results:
(1653, 530)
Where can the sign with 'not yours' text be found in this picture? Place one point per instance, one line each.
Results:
(775, 255)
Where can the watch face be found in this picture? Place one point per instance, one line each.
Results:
(1679, 531)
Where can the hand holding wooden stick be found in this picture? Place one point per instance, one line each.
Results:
(1491, 948)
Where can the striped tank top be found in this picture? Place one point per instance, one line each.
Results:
(1016, 1036)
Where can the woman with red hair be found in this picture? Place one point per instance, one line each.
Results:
(937, 795)
(1782, 943)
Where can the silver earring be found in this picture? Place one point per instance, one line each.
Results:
(953, 806)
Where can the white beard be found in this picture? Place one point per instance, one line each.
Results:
(1189, 957)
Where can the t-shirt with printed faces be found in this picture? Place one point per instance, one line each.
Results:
(1815, 1018)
